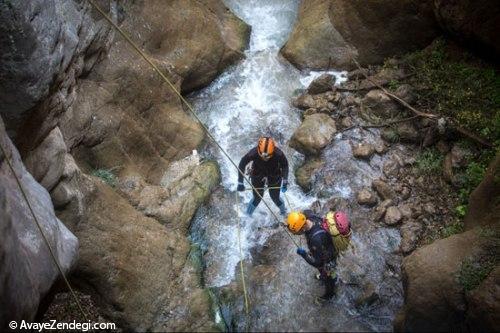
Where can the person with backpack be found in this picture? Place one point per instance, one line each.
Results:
(320, 235)
(269, 166)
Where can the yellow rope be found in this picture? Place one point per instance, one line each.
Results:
(190, 108)
(51, 251)
(241, 262)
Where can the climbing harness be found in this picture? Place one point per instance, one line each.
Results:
(188, 105)
(241, 263)
(51, 251)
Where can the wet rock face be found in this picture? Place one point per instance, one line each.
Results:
(328, 33)
(304, 174)
(322, 84)
(139, 267)
(27, 270)
(314, 134)
(175, 203)
(44, 42)
(116, 114)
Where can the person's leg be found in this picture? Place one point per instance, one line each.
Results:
(259, 184)
(330, 283)
(330, 279)
(274, 192)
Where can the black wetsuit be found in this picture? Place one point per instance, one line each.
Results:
(322, 253)
(275, 170)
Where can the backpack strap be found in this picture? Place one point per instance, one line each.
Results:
(319, 231)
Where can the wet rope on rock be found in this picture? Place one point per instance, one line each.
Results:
(46, 241)
(247, 311)
(190, 108)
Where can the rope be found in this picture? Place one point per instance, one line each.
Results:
(262, 188)
(190, 108)
(288, 201)
(51, 251)
(241, 263)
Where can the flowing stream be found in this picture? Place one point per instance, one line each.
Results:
(252, 99)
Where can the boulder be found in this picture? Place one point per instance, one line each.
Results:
(304, 175)
(380, 104)
(407, 132)
(392, 216)
(434, 297)
(136, 266)
(314, 134)
(391, 168)
(321, 84)
(475, 24)
(175, 201)
(366, 197)
(47, 162)
(346, 122)
(27, 270)
(381, 209)
(484, 203)
(484, 304)
(406, 93)
(410, 235)
(383, 189)
(304, 102)
(363, 150)
(328, 33)
(51, 164)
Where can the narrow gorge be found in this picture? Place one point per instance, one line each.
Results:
(389, 112)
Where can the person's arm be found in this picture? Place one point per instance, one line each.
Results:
(243, 164)
(312, 260)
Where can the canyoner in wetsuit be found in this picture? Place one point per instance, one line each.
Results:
(269, 165)
(322, 253)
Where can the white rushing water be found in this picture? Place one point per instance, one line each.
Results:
(250, 100)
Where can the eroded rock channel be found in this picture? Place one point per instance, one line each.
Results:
(140, 205)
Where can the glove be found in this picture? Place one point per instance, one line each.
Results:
(301, 252)
(240, 187)
(284, 186)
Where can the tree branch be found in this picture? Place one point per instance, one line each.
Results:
(418, 113)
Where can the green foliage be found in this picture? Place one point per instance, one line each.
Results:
(463, 89)
(469, 179)
(391, 135)
(429, 161)
(393, 84)
(473, 272)
(461, 211)
(106, 175)
(452, 229)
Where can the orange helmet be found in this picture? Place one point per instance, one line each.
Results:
(296, 221)
(265, 148)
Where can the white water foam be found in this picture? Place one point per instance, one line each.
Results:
(250, 100)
